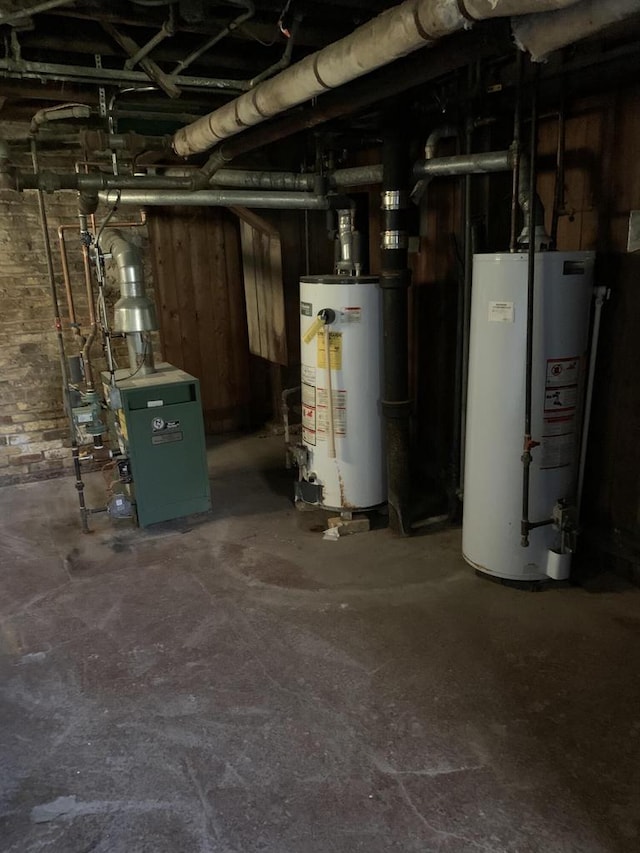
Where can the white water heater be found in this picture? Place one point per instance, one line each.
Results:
(342, 463)
(491, 540)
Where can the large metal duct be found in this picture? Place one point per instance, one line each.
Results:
(134, 311)
(395, 33)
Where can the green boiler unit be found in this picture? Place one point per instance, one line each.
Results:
(160, 432)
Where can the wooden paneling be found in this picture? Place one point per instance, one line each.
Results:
(602, 184)
(263, 287)
(196, 267)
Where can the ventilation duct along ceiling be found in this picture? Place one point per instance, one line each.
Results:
(389, 36)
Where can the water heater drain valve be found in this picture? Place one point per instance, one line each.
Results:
(565, 520)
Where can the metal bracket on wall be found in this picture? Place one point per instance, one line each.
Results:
(102, 94)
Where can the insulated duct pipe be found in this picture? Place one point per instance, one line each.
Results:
(387, 37)
(395, 278)
(231, 198)
(542, 34)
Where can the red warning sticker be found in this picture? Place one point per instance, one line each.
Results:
(561, 396)
(563, 371)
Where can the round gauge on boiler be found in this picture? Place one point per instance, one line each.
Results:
(158, 424)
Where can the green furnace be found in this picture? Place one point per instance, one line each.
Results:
(158, 423)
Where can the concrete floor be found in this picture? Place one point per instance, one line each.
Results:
(238, 684)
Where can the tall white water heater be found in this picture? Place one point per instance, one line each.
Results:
(491, 540)
(342, 466)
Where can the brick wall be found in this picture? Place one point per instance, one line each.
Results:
(34, 432)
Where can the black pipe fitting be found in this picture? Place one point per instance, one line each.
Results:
(395, 279)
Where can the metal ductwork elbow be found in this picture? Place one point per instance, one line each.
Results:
(134, 311)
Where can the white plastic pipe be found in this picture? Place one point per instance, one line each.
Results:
(542, 34)
(601, 295)
(395, 33)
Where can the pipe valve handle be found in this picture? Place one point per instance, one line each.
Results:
(313, 329)
(324, 318)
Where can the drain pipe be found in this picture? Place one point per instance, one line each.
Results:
(395, 279)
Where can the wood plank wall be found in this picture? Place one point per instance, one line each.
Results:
(197, 274)
(263, 287)
(602, 184)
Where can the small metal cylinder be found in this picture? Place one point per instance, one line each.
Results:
(140, 349)
(75, 368)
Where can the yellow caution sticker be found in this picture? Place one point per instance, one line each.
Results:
(335, 348)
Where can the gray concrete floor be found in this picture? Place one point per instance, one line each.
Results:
(238, 684)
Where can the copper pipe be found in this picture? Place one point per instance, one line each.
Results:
(65, 262)
(87, 343)
(86, 349)
(67, 279)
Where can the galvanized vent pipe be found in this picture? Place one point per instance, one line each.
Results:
(134, 312)
(231, 198)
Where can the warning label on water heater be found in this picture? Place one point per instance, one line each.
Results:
(308, 413)
(339, 409)
(558, 446)
(563, 372)
(335, 349)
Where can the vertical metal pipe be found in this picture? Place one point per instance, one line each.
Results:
(60, 343)
(86, 349)
(601, 294)
(64, 261)
(84, 512)
(52, 282)
(517, 122)
(528, 443)
(394, 281)
(466, 307)
(558, 195)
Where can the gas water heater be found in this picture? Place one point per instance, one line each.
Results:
(493, 475)
(341, 459)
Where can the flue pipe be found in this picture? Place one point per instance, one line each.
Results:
(134, 311)
(387, 37)
(395, 278)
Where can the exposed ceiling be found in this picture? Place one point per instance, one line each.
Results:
(53, 54)
(85, 51)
